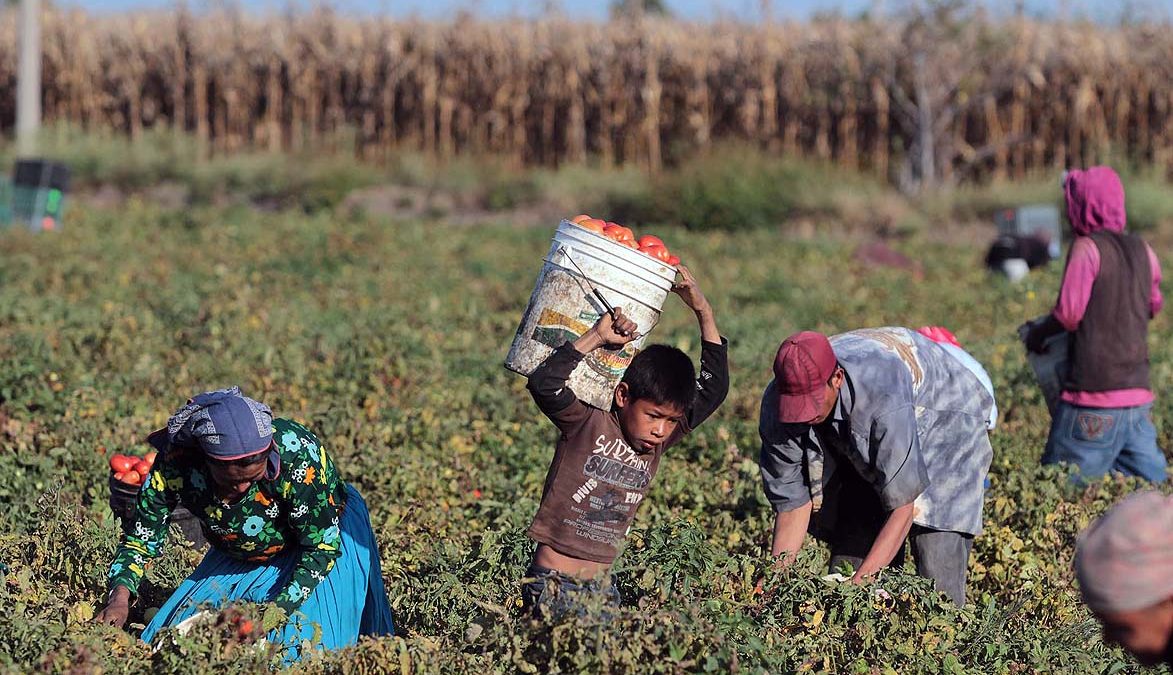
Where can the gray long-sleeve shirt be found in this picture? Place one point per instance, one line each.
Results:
(910, 419)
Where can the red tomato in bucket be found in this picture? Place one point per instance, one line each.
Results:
(120, 463)
(149, 458)
(673, 260)
(650, 239)
(579, 218)
(592, 224)
(132, 478)
(142, 468)
(619, 233)
(656, 251)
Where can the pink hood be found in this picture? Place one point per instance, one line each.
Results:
(1095, 200)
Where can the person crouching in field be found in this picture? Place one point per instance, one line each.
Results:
(1110, 292)
(605, 460)
(1124, 563)
(871, 437)
(283, 526)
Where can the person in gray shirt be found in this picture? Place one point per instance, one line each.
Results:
(872, 437)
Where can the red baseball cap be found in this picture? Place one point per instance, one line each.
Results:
(804, 363)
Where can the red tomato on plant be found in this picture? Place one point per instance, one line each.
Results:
(121, 463)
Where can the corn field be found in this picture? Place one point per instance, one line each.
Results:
(920, 99)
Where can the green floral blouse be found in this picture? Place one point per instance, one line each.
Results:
(299, 508)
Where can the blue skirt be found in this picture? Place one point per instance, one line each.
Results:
(351, 600)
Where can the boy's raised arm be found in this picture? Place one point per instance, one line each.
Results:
(713, 380)
(547, 384)
(690, 292)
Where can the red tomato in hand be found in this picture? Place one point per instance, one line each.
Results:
(649, 239)
(132, 477)
(121, 463)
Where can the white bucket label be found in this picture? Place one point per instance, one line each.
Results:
(554, 328)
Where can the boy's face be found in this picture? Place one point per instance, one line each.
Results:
(645, 424)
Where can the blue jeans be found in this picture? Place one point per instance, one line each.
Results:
(1102, 440)
(552, 595)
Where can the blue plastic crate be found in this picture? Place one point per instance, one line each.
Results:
(5, 202)
(40, 208)
(38, 193)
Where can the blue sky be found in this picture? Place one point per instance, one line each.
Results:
(692, 9)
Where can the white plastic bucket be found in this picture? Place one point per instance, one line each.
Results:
(561, 308)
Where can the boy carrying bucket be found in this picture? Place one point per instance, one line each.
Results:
(605, 460)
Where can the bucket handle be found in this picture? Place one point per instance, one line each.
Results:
(593, 291)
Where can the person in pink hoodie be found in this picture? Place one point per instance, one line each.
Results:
(1110, 292)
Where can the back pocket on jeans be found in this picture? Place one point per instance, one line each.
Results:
(1094, 428)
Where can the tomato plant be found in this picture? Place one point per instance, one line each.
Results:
(387, 342)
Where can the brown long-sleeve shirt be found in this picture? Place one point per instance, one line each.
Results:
(597, 480)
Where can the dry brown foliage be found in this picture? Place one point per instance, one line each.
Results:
(1000, 97)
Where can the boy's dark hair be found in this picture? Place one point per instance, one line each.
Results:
(663, 375)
